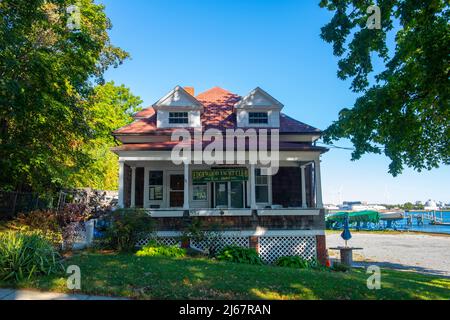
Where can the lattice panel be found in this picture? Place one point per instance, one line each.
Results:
(166, 241)
(78, 231)
(272, 248)
(219, 243)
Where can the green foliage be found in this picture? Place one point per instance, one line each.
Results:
(47, 76)
(340, 267)
(406, 113)
(56, 226)
(162, 278)
(295, 262)
(153, 249)
(26, 255)
(195, 231)
(408, 206)
(239, 255)
(109, 108)
(126, 227)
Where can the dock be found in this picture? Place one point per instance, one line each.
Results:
(431, 216)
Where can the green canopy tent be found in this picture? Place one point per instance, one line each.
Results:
(361, 216)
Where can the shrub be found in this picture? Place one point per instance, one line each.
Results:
(153, 249)
(25, 255)
(125, 228)
(239, 255)
(43, 222)
(294, 262)
(211, 239)
(340, 267)
(60, 227)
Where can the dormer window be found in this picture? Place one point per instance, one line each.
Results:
(178, 117)
(258, 118)
(178, 109)
(258, 110)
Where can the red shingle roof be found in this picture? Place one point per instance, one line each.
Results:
(168, 146)
(218, 114)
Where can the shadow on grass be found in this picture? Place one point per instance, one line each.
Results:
(405, 267)
(188, 278)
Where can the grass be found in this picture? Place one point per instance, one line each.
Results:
(188, 278)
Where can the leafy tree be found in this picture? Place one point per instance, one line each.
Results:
(47, 74)
(408, 206)
(405, 114)
(109, 108)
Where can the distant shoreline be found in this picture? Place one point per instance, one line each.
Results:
(393, 232)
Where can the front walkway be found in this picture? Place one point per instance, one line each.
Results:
(11, 294)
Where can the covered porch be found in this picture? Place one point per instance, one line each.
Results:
(150, 180)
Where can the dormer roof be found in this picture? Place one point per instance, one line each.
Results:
(178, 98)
(259, 99)
(218, 113)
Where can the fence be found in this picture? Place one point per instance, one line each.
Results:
(13, 203)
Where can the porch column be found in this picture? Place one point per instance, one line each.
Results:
(146, 187)
(186, 186)
(121, 203)
(252, 187)
(133, 187)
(319, 202)
(303, 178)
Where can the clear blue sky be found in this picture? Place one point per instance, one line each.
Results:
(242, 44)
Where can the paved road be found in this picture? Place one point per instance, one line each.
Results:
(9, 294)
(415, 252)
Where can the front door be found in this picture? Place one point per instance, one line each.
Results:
(229, 195)
(176, 191)
(237, 195)
(221, 192)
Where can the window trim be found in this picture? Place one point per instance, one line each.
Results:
(207, 190)
(259, 118)
(267, 185)
(179, 117)
(155, 185)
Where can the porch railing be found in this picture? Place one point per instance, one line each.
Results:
(173, 213)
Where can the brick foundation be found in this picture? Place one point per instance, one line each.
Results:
(254, 243)
(321, 249)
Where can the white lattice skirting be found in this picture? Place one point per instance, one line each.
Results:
(219, 243)
(272, 248)
(165, 241)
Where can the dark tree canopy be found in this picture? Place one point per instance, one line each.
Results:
(405, 113)
(47, 74)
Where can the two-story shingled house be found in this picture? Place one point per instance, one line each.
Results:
(280, 214)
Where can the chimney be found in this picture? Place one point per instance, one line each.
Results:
(190, 90)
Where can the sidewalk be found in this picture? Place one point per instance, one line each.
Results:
(11, 294)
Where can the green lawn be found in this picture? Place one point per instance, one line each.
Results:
(189, 278)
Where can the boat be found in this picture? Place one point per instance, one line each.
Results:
(360, 216)
(442, 224)
(389, 216)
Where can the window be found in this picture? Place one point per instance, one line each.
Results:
(176, 193)
(156, 185)
(178, 118)
(258, 118)
(200, 192)
(261, 187)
